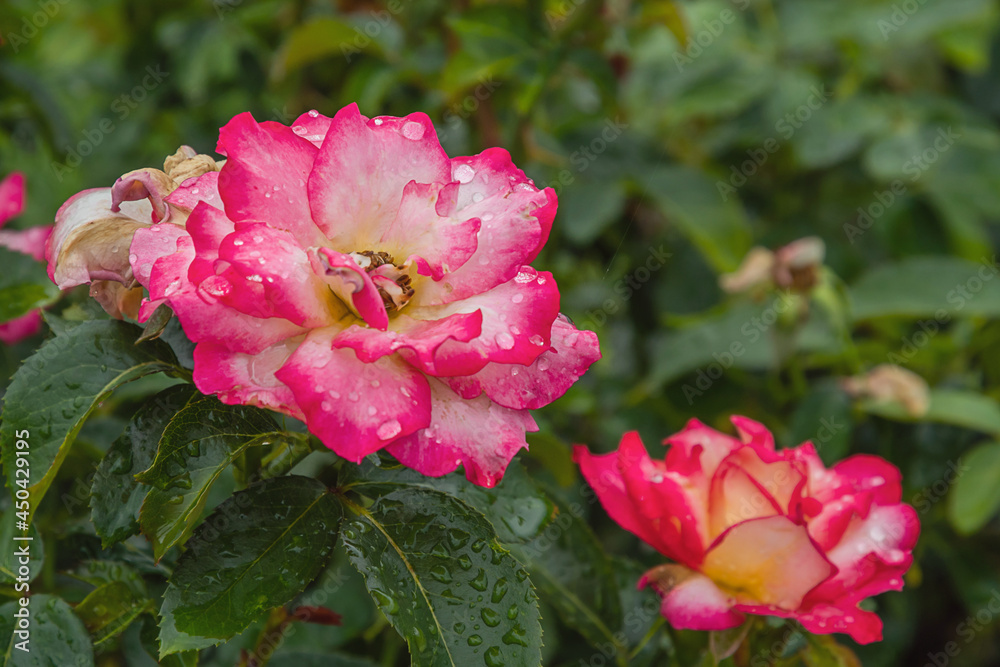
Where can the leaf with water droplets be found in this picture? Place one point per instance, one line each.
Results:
(566, 562)
(115, 495)
(437, 571)
(55, 390)
(196, 446)
(58, 637)
(256, 551)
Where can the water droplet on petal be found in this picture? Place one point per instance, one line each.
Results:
(537, 340)
(463, 173)
(413, 131)
(517, 298)
(505, 340)
(313, 113)
(372, 410)
(389, 429)
(478, 197)
(378, 121)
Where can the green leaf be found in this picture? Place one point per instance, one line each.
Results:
(109, 609)
(58, 638)
(735, 337)
(196, 446)
(436, 570)
(967, 409)
(24, 285)
(156, 323)
(254, 552)
(115, 495)
(100, 572)
(574, 575)
(9, 561)
(948, 287)
(692, 203)
(566, 563)
(318, 39)
(518, 510)
(55, 390)
(975, 496)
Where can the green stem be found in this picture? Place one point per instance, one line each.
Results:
(653, 631)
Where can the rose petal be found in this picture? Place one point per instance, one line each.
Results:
(353, 407)
(478, 434)
(356, 186)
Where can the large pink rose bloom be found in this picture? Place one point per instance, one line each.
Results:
(346, 272)
(30, 242)
(758, 531)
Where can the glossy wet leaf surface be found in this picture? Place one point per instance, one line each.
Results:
(57, 387)
(200, 441)
(116, 496)
(256, 551)
(436, 570)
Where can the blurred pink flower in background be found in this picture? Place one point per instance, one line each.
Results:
(29, 242)
(754, 530)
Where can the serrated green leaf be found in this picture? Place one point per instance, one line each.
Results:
(58, 638)
(566, 563)
(24, 285)
(109, 609)
(975, 496)
(55, 390)
(115, 495)
(518, 510)
(200, 441)
(254, 552)
(436, 570)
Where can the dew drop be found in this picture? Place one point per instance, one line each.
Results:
(389, 429)
(505, 340)
(133, 258)
(517, 298)
(353, 396)
(378, 121)
(478, 197)
(493, 657)
(237, 242)
(313, 113)
(372, 410)
(543, 364)
(413, 131)
(463, 173)
(537, 340)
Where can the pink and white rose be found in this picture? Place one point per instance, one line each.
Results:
(755, 530)
(347, 272)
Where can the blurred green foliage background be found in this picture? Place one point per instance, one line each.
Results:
(678, 135)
